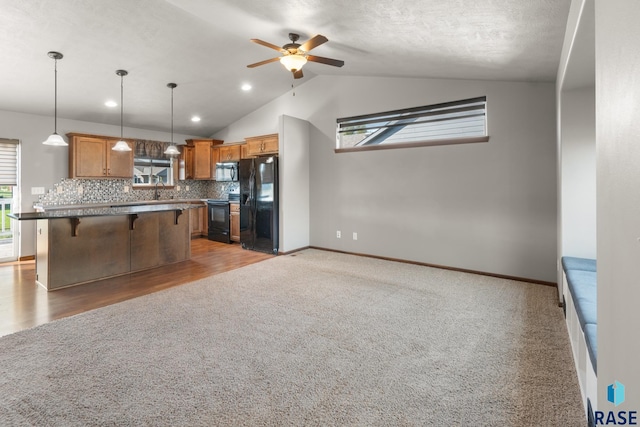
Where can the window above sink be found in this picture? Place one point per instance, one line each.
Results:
(151, 165)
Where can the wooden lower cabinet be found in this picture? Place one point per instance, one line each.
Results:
(234, 215)
(199, 223)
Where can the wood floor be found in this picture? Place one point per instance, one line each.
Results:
(24, 304)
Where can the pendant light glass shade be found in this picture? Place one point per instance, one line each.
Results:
(55, 139)
(172, 150)
(122, 144)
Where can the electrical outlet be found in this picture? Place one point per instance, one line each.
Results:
(37, 190)
(338, 234)
(186, 188)
(59, 190)
(355, 236)
(126, 188)
(80, 189)
(177, 188)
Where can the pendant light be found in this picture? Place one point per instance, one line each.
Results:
(122, 144)
(54, 138)
(172, 150)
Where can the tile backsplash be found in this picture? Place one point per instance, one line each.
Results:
(86, 191)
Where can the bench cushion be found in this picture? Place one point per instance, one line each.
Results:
(573, 263)
(591, 338)
(582, 285)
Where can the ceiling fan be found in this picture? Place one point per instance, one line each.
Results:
(295, 55)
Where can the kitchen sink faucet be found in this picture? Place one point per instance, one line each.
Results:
(156, 195)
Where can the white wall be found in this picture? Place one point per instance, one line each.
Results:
(618, 206)
(578, 175)
(43, 166)
(488, 207)
(294, 183)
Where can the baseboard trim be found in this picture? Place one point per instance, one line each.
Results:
(294, 251)
(27, 258)
(444, 267)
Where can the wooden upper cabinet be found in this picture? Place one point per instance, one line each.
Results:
(215, 157)
(203, 165)
(229, 153)
(261, 145)
(186, 162)
(91, 156)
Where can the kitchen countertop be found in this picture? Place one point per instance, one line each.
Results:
(129, 208)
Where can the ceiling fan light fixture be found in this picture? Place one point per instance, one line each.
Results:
(293, 62)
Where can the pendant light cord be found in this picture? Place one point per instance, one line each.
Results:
(55, 95)
(121, 105)
(171, 116)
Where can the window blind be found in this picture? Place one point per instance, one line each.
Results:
(8, 162)
(447, 121)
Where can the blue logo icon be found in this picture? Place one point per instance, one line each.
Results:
(615, 393)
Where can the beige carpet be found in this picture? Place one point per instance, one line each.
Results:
(313, 338)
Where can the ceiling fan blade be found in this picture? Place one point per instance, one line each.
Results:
(266, 61)
(313, 42)
(298, 74)
(269, 45)
(327, 61)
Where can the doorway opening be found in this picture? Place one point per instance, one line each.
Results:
(8, 199)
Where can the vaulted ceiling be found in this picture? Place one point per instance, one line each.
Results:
(204, 47)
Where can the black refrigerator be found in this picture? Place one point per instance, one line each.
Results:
(259, 204)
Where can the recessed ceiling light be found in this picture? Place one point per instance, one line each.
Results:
(245, 87)
(195, 119)
(111, 103)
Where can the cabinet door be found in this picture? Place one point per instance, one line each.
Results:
(88, 159)
(270, 145)
(202, 168)
(204, 220)
(234, 216)
(195, 217)
(244, 152)
(230, 153)
(267, 144)
(186, 162)
(215, 158)
(119, 163)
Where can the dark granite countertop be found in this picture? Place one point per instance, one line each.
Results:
(113, 210)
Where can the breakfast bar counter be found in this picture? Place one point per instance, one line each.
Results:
(81, 245)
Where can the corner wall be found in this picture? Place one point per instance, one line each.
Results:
(489, 207)
(618, 209)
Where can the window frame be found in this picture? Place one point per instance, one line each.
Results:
(423, 111)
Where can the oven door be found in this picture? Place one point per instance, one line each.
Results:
(218, 220)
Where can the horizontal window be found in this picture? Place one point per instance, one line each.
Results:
(447, 123)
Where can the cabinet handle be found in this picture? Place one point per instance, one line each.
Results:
(104, 171)
(108, 171)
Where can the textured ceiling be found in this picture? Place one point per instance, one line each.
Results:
(204, 47)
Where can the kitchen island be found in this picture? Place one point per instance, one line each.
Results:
(85, 244)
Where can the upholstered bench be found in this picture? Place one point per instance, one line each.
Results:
(573, 263)
(582, 285)
(581, 304)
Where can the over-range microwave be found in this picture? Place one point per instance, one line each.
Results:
(227, 171)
